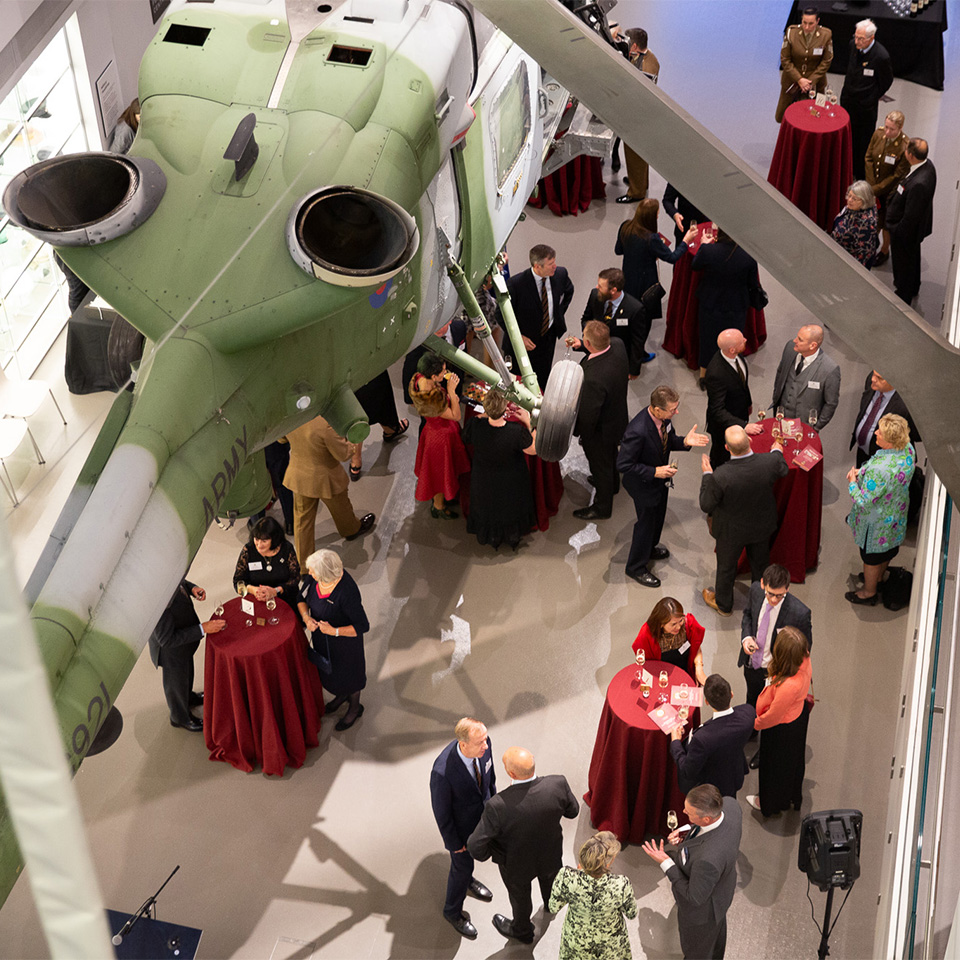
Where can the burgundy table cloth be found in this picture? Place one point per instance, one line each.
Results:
(799, 494)
(262, 698)
(571, 188)
(682, 337)
(812, 164)
(633, 779)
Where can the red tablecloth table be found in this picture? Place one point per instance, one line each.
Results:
(682, 337)
(812, 164)
(571, 188)
(633, 779)
(262, 699)
(799, 505)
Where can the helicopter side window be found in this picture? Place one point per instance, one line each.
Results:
(510, 122)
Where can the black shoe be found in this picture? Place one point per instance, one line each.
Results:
(288, 528)
(755, 761)
(446, 513)
(335, 704)
(463, 926)
(346, 724)
(478, 890)
(366, 522)
(194, 724)
(626, 198)
(648, 357)
(196, 699)
(505, 927)
(879, 260)
(851, 595)
(659, 553)
(590, 513)
(645, 579)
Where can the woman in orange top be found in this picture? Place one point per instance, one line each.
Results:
(782, 717)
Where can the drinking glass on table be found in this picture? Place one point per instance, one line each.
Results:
(645, 688)
(273, 619)
(664, 679)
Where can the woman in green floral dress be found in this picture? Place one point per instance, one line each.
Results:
(594, 927)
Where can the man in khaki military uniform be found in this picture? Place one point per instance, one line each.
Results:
(316, 473)
(805, 58)
(638, 172)
(886, 165)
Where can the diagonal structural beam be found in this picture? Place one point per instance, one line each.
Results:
(886, 333)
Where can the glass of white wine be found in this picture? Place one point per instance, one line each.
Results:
(273, 619)
(672, 821)
(664, 678)
(241, 588)
(683, 713)
(812, 417)
(218, 613)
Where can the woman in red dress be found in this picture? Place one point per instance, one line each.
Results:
(670, 636)
(441, 455)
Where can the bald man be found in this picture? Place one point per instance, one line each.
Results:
(728, 393)
(807, 379)
(520, 828)
(738, 496)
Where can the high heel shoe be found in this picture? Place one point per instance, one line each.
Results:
(852, 596)
(446, 512)
(346, 724)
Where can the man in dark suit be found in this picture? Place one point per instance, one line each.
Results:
(869, 75)
(520, 828)
(462, 780)
(738, 497)
(602, 415)
(623, 314)
(540, 297)
(771, 607)
(645, 462)
(713, 753)
(878, 397)
(910, 219)
(174, 641)
(681, 211)
(703, 870)
(728, 393)
(807, 379)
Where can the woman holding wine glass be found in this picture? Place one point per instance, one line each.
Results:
(267, 567)
(673, 637)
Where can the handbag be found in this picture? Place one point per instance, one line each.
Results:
(320, 659)
(651, 297)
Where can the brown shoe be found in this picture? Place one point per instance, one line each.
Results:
(710, 599)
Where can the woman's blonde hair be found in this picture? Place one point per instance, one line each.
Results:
(597, 853)
(494, 404)
(895, 430)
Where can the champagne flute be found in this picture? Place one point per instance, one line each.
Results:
(761, 415)
(812, 417)
(664, 679)
(241, 588)
(780, 414)
(683, 712)
(273, 620)
(672, 821)
(218, 613)
(641, 658)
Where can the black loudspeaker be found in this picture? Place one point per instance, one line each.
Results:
(830, 848)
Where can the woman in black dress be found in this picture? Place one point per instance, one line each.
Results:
(267, 565)
(337, 620)
(501, 501)
(641, 246)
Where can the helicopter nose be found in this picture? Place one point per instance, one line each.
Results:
(84, 199)
(351, 237)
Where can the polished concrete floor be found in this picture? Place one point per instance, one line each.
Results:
(342, 858)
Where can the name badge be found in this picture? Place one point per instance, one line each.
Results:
(256, 565)
(889, 159)
(813, 385)
(622, 321)
(488, 765)
(818, 51)
(868, 71)
(899, 188)
(684, 648)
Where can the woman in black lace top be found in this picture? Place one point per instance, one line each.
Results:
(268, 565)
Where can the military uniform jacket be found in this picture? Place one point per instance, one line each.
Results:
(806, 58)
(316, 455)
(885, 161)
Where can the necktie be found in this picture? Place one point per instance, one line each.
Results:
(740, 373)
(693, 832)
(608, 311)
(863, 434)
(544, 307)
(799, 365)
(663, 435)
(476, 773)
(756, 659)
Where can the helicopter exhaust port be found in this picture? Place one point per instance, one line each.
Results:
(82, 199)
(351, 237)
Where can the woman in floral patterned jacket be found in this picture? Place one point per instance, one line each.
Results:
(855, 227)
(594, 926)
(881, 494)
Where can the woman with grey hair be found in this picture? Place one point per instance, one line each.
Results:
(855, 227)
(337, 621)
(599, 901)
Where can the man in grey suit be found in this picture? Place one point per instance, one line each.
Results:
(703, 870)
(807, 379)
(520, 828)
(738, 497)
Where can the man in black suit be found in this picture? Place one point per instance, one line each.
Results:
(174, 641)
(703, 870)
(623, 314)
(738, 497)
(728, 393)
(869, 75)
(713, 753)
(681, 211)
(602, 415)
(461, 781)
(879, 397)
(910, 219)
(644, 460)
(771, 607)
(540, 297)
(520, 828)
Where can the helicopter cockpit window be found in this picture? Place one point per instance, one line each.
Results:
(510, 122)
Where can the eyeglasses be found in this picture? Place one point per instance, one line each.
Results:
(775, 594)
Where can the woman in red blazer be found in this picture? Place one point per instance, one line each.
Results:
(782, 717)
(670, 636)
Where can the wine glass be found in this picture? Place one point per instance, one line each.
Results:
(641, 658)
(664, 679)
(248, 623)
(683, 712)
(761, 415)
(218, 613)
(780, 414)
(672, 821)
(812, 417)
(273, 619)
(241, 588)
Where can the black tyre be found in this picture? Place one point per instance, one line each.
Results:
(558, 413)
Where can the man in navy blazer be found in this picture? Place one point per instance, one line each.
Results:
(910, 219)
(713, 753)
(461, 782)
(644, 461)
(540, 297)
(623, 314)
